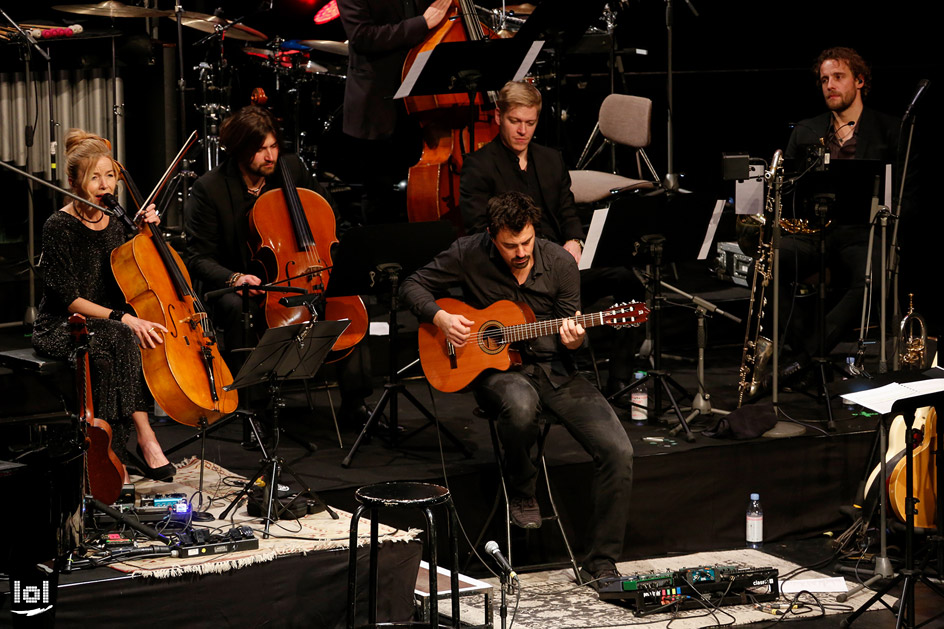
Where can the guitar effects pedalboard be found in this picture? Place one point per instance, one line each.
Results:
(692, 588)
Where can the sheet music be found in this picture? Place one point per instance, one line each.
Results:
(593, 238)
(888, 186)
(828, 584)
(881, 399)
(407, 86)
(749, 193)
(529, 58)
(712, 228)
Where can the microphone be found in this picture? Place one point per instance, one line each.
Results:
(492, 549)
(301, 300)
(833, 130)
(922, 85)
(111, 202)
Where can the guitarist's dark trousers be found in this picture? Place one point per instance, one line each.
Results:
(517, 397)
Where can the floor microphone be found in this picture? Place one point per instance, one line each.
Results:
(492, 549)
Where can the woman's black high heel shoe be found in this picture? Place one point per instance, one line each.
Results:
(164, 473)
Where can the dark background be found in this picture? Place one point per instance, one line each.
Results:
(741, 76)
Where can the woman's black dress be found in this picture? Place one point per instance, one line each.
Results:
(76, 263)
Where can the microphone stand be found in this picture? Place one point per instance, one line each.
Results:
(671, 183)
(701, 404)
(503, 604)
(67, 193)
(896, 216)
(878, 216)
(29, 317)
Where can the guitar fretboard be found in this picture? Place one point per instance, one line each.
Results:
(528, 331)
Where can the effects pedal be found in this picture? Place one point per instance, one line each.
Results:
(692, 588)
(200, 543)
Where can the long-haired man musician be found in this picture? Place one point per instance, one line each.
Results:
(216, 224)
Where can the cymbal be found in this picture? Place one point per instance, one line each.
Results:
(326, 45)
(208, 24)
(111, 8)
(316, 68)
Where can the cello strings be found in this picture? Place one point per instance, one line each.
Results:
(303, 231)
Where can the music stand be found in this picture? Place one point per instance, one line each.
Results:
(838, 194)
(291, 352)
(244, 291)
(560, 23)
(469, 67)
(370, 259)
(642, 222)
(909, 576)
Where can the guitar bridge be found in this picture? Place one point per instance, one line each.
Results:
(451, 353)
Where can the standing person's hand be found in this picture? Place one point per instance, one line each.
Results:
(436, 12)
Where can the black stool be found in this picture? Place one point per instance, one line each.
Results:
(422, 496)
(555, 515)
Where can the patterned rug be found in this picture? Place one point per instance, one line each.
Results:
(552, 600)
(312, 533)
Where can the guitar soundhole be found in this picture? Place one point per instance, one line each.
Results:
(492, 337)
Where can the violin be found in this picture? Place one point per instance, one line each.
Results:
(185, 374)
(292, 230)
(104, 472)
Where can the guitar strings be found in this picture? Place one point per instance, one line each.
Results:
(548, 326)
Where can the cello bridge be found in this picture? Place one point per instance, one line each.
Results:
(194, 320)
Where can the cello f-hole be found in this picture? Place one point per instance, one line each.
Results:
(171, 321)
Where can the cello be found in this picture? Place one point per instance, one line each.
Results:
(104, 472)
(433, 182)
(185, 374)
(292, 231)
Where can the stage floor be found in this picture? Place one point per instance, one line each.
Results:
(687, 497)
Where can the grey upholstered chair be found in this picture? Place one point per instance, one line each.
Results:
(623, 120)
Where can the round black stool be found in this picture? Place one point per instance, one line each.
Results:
(398, 495)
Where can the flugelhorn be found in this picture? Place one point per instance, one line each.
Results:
(912, 339)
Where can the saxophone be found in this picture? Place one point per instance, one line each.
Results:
(758, 349)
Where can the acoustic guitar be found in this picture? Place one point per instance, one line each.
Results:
(104, 472)
(924, 475)
(449, 368)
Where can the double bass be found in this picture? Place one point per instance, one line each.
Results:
(433, 182)
(292, 231)
(185, 374)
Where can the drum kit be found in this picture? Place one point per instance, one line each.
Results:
(307, 75)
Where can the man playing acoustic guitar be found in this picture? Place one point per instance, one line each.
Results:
(509, 263)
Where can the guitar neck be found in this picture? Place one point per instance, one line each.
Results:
(528, 331)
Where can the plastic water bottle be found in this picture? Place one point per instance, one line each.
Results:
(755, 523)
(640, 400)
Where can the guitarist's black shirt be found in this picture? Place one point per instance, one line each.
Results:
(474, 265)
